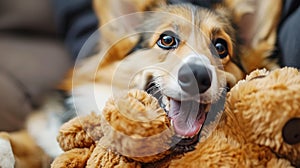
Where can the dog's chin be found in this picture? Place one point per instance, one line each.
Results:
(187, 118)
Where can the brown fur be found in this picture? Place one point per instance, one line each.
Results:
(250, 132)
(256, 25)
(26, 152)
(258, 28)
(129, 125)
(260, 17)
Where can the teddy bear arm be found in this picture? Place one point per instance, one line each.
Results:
(76, 157)
(102, 157)
(80, 132)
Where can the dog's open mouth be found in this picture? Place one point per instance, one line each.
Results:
(187, 117)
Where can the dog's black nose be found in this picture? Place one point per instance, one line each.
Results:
(194, 78)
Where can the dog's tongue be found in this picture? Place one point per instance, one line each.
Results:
(186, 117)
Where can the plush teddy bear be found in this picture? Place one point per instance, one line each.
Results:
(260, 127)
(134, 125)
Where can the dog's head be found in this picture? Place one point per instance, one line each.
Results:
(183, 54)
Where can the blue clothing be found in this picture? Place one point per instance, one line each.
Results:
(288, 35)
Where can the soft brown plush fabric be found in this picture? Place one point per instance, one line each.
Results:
(132, 129)
(259, 128)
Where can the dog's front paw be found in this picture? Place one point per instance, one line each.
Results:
(7, 159)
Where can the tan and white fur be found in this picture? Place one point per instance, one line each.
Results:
(141, 61)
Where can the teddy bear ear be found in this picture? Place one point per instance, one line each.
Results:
(291, 131)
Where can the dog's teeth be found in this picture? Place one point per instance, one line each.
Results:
(167, 107)
(165, 101)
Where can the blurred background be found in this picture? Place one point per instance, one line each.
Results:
(39, 41)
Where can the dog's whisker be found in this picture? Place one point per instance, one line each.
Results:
(151, 88)
(157, 91)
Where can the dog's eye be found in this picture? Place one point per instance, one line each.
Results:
(221, 47)
(167, 41)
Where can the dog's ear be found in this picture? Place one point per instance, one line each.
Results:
(117, 33)
(115, 40)
(257, 22)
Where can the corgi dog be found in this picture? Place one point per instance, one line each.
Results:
(184, 53)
